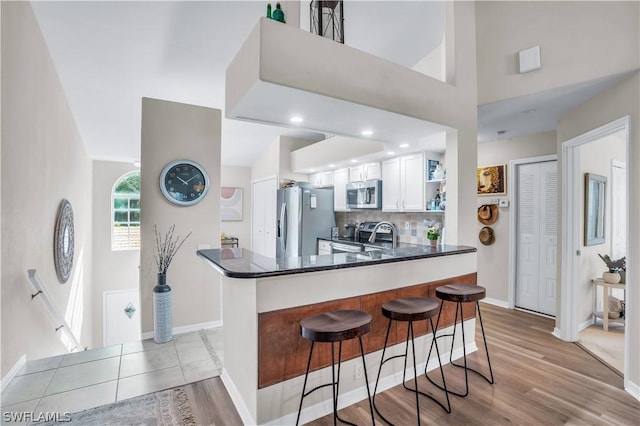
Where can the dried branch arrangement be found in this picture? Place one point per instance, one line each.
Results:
(167, 245)
(618, 265)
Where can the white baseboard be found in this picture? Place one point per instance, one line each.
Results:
(632, 389)
(237, 400)
(13, 372)
(324, 408)
(187, 328)
(586, 324)
(496, 302)
(557, 333)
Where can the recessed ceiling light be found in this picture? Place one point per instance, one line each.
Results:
(296, 119)
(136, 163)
(404, 145)
(332, 165)
(312, 170)
(354, 161)
(366, 132)
(390, 153)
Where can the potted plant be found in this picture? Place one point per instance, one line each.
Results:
(167, 245)
(433, 233)
(617, 269)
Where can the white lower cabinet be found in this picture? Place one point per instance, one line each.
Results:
(324, 247)
(403, 183)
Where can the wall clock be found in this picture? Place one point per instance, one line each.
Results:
(63, 241)
(184, 182)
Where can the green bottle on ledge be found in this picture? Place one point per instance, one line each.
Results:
(278, 14)
(269, 10)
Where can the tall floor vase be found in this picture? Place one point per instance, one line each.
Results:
(162, 311)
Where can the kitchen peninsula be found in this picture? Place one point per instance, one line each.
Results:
(263, 300)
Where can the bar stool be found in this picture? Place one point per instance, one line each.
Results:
(410, 309)
(335, 326)
(462, 293)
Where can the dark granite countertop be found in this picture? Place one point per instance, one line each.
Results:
(242, 263)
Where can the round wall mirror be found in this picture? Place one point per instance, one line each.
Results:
(63, 241)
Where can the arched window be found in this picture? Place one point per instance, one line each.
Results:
(125, 212)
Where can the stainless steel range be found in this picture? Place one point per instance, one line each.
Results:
(384, 234)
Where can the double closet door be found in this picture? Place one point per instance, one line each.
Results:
(536, 236)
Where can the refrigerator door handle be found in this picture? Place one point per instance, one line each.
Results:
(282, 225)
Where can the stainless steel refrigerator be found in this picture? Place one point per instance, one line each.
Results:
(304, 214)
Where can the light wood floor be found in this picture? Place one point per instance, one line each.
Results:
(540, 380)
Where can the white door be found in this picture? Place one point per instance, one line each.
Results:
(121, 316)
(536, 239)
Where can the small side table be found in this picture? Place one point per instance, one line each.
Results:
(606, 292)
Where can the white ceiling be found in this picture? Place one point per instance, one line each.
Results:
(109, 55)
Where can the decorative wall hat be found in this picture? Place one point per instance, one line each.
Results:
(486, 236)
(488, 214)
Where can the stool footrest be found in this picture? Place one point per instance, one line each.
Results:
(490, 381)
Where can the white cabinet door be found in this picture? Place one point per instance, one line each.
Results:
(257, 218)
(118, 325)
(412, 182)
(356, 174)
(315, 179)
(391, 196)
(326, 178)
(340, 180)
(372, 171)
(324, 247)
(263, 217)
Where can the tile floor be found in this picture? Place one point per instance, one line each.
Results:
(82, 380)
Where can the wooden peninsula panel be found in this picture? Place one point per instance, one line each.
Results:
(283, 352)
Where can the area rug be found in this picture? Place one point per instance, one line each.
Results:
(608, 346)
(168, 407)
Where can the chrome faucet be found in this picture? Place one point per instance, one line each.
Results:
(394, 232)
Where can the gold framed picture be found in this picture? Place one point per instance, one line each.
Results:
(492, 180)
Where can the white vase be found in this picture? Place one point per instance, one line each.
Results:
(611, 277)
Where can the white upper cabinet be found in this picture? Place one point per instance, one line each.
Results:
(321, 179)
(340, 180)
(364, 172)
(403, 183)
(391, 195)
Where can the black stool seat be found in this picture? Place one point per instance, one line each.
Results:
(410, 309)
(336, 326)
(461, 293)
(332, 327)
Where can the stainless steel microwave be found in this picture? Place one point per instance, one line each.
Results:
(364, 195)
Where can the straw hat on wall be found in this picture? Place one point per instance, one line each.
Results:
(488, 214)
(486, 236)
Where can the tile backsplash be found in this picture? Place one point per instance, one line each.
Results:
(419, 222)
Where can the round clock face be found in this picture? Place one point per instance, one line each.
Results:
(184, 182)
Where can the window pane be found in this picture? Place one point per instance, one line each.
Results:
(120, 203)
(120, 217)
(129, 184)
(134, 216)
(134, 203)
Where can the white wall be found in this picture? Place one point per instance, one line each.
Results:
(595, 157)
(112, 270)
(239, 177)
(43, 161)
(579, 41)
(493, 260)
(619, 101)
(172, 131)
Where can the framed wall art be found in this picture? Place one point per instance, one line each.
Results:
(230, 204)
(492, 180)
